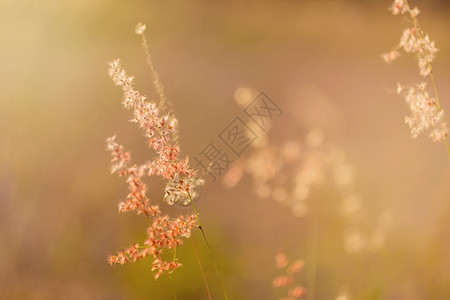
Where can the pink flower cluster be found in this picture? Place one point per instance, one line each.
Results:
(413, 40)
(401, 7)
(287, 279)
(163, 233)
(390, 56)
(183, 185)
(425, 114)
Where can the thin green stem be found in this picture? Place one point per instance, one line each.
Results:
(174, 296)
(438, 105)
(312, 253)
(164, 104)
(216, 269)
(434, 87)
(174, 253)
(197, 255)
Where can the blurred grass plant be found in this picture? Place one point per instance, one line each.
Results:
(426, 112)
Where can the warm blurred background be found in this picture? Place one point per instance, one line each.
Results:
(319, 60)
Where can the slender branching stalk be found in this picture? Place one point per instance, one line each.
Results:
(166, 106)
(433, 81)
(216, 269)
(174, 296)
(197, 255)
(312, 253)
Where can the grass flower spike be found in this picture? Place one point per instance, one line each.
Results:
(183, 185)
(164, 233)
(426, 112)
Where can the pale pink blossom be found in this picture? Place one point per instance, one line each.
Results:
(282, 281)
(425, 114)
(140, 28)
(390, 56)
(413, 40)
(287, 279)
(281, 260)
(399, 7)
(297, 292)
(296, 267)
